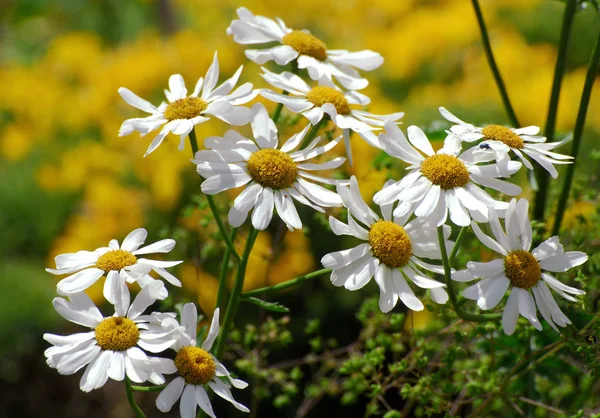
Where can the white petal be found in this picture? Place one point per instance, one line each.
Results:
(418, 138)
(263, 211)
(204, 402)
(134, 100)
(510, 314)
(187, 404)
(169, 395)
(135, 238)
(224, 392)
(213, 332)
(189, 320)
(405, 293)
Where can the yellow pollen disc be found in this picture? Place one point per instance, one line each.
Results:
(117, 334)
(445, 171)
(323, 94)
(306, 44)
(390, 244)
(503, 134)
(522, 269)
(272, 168)
(195, 365)
(115, 260)
(186, 108)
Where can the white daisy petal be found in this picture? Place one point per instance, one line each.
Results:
(170, 394)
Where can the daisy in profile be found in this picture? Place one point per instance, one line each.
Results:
(328, 100)
(197, 371)
(309, 51)
(522, 271)
(443, 181)
(120, 264)
(498, 141)
(276, 176)
(183, 112)
(391, 253)
(112, 348)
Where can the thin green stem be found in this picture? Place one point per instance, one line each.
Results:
(456, 304)
(131, 399)
(148, 388)
(235, 292)
(223, 272)
(222, 229)
(559, 71)
(288, 284)
(458, 243)
(512, 116)
(577, 134)
(314, 131)
(213, 205)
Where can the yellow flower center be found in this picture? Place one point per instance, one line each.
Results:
(503, 134)
(323, 94)
(522, 269)
(306, 44)
(195, 365)
(115, 260)
(445, 171)
(186, 108)
(390, 244)
(272, 168)
(117, 334)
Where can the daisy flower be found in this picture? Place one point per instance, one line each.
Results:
(499, 140)
(112, 348)
(197, 370)
(118, 263)
(275, 176)
(443, 181)
(183, 112)
(393, 251)
(310, 52)
(522, 271)
(326, 99)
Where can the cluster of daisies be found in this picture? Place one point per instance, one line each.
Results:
(400, 242)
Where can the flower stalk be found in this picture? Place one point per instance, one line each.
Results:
(550, 129)
(577, 134)
(288, 284)
(131, 399)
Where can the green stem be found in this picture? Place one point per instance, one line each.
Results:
(223, 273)
(148, 388)
(456, 304)
(577, 134)
(288, 284)
(458, 243)
(512, 116)
(559, 70)
(314, 131)
(130, 398)
(236, 292)
(213, 205)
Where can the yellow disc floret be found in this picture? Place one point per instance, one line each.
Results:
(115, 260)
(306, 44)
(323, 94)
(117, 334)
(503, 134)
(272, 168)
(390, 244)
(195, 365)
(186, 108)
(522, 269)
(445, 171)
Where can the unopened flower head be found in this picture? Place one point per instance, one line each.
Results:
(497, 141)
(197, 369)
(309, 51)
(117, 263)
(522, 271)
(183, 112)
(324, 100)
(443, 181)
(112, 349)
(275, 176)
(392, 252)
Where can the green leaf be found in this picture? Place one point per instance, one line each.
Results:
(270, 306)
